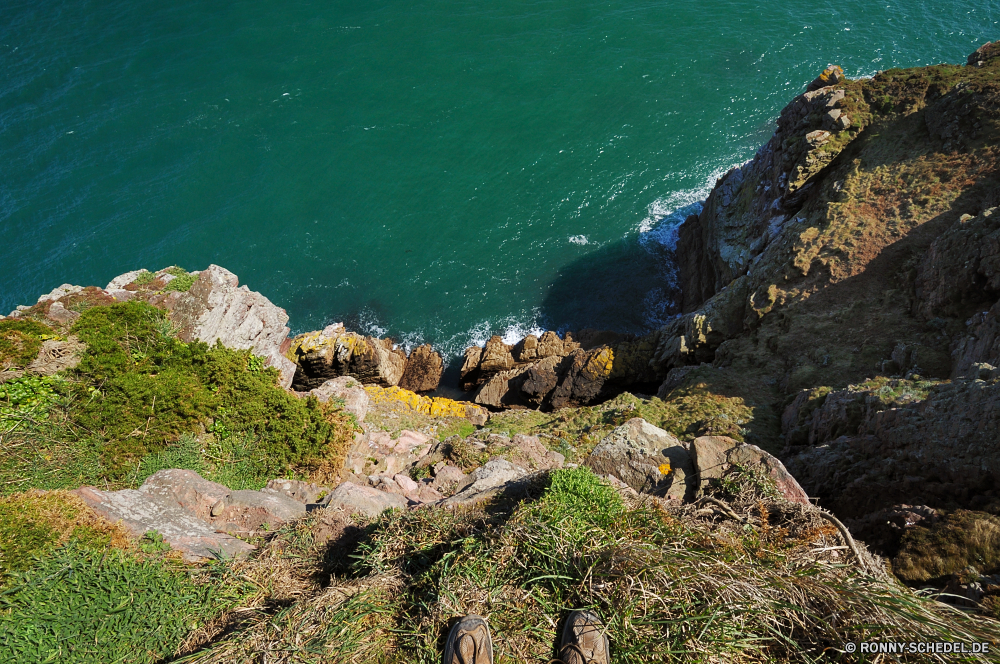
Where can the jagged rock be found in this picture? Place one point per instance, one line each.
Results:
(937, 449)
(60, 314)
(496, 356)
(983, 54)
(140, 513)
(366, 500)
(882, 531)
(355, 398)
(216, 308)
(423, 370)
(647, 458)
(332, 353)
(500, 390)
(831, 75)
(470, 368)
(540, 379)
(586, 373)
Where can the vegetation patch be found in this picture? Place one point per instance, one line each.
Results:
(20, 341)
(83, 606)
(962, 539)
(35, 522)
(667, 591)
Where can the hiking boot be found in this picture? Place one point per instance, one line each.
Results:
(583, 640)
(469, 642)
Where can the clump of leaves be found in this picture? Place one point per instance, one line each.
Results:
(28, 396)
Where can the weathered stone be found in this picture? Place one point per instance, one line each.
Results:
(355, 398)
(710, 457)
(496, 356)
(550, 345)
(423, 370)
(447, 477)
(405, 483)
(216, 308)
(500, 390)
(470, 368)
(752, 457)
(187, 489)
(540, 379)
(60, 314)
(320, 357)
(646, 458)
(306, 493)
(584, 377)
(140, 513)
(123, 280)
(247, 511)
(366, 500)
(493, 474)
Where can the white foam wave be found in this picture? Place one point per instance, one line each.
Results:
(579, 239)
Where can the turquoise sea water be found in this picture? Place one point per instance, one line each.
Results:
(437, 170)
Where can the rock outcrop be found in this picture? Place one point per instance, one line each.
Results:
(550, 372)
(334, 352)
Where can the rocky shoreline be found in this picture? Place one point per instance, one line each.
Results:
(839, 342)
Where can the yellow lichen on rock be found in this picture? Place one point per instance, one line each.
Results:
(433, 406)
(600, 364)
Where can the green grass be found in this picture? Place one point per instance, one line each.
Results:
(667, 590)
(81, 606)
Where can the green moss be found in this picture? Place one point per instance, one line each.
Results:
(145, 277)
(183, 281)
(20, 341)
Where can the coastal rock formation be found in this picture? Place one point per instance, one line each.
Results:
(551, 372)
(646, 458)
(423, 370)
(208, 306)
(333, 352)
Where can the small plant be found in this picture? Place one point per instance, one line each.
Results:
(144, 278)
(152, 542)
(20, 341)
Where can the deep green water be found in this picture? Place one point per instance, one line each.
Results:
(434, 170)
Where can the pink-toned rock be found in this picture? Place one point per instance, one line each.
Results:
(409, 440)
(355, 398)
(405, 483)
(427, 494)
(187, 489)
(141, 512)
(751, 456)
(306, 493)
(365, 500)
